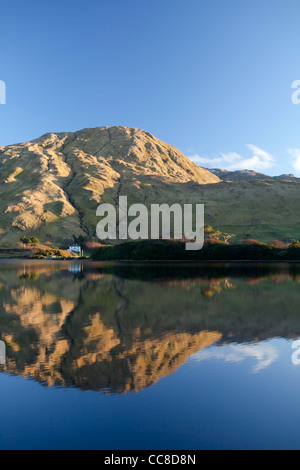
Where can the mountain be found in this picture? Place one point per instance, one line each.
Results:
(247, 175)
(50, 187)
(254, 205)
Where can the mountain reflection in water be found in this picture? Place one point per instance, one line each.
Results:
(119, 328)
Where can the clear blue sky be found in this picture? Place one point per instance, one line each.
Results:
(211, 77)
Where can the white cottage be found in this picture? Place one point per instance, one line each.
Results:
(75, 249)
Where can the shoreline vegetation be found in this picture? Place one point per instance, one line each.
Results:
(218, 247)
(171, 250)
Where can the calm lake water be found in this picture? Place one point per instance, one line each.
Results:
(108, 356)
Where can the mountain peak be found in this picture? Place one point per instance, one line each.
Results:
(247, 175)
(52, 186)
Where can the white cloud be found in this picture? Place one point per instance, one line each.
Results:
(263, 353)
(258, 160)
(295, 158)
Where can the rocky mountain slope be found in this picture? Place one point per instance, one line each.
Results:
(51, 187)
